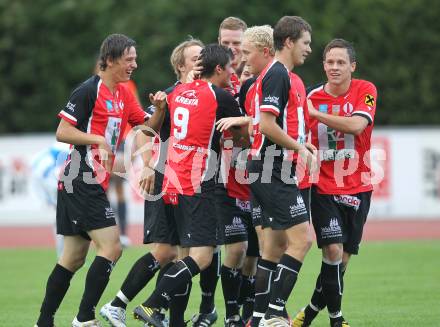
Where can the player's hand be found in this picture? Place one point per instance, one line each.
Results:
(106, 155)
(146, 182)
(308, 154)
(312, 111)
(226, 123)
(159, 100)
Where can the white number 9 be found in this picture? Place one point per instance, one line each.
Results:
(181, 119)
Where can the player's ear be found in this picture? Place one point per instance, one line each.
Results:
(218, 69)
(353, 66)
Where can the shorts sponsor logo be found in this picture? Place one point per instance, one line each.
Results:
(109, 213)
(243, 205)
(348, 200)
(299, 208)
(333, 229)
(236, 228)
(256, 213)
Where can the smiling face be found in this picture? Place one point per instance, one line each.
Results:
(338, 67)
(254, 57)
(301, 48)
(123, 67)
(224, 75)
(232, 39)
(190, 54)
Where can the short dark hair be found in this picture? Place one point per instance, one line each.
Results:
(113, 47)
(341, 43)
(212, 55)
(289, 27)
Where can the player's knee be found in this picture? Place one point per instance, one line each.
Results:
(203, 262)
(236, 252)
(333, 252)
(112, 252)
(72, 264)
(165, 255)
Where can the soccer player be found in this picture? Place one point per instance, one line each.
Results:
(279, 135)
(229, 35)
(93, 120)
(191, 165)
(342, 117)
(159, 227)
(258, 51)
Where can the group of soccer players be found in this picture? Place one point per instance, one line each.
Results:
(244, 166)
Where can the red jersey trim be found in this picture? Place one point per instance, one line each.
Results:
(273, 109)
(69, 118)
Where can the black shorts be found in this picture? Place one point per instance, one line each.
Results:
(235, 220)
(83, 208)
(276, 200)
(195, 218)
(306, 194)
(159, 222)
(340, 218)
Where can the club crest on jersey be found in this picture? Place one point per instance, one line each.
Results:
(348, 108)
(323, 108)
(109, 105)
(369, 100)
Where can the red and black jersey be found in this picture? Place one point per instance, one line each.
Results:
(340, 153)
(282, 93)
(94, 109)
(234, 87)
(233, 159)
(194, 142)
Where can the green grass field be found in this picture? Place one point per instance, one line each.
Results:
(388, 284)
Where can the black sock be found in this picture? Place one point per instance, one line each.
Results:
(285, 279)
(247, 296)
(96, 281)
(263, 280)
(56, 287)
(208, 284)
(162, 271)
(231, 280)
(178, 305)
(122, 217)
(317, 303)
(332, 289)
(139, 276)
(179, 274)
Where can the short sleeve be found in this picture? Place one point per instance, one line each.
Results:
(136, 115)
(275, 90)
(365, 105)
(79, 106)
